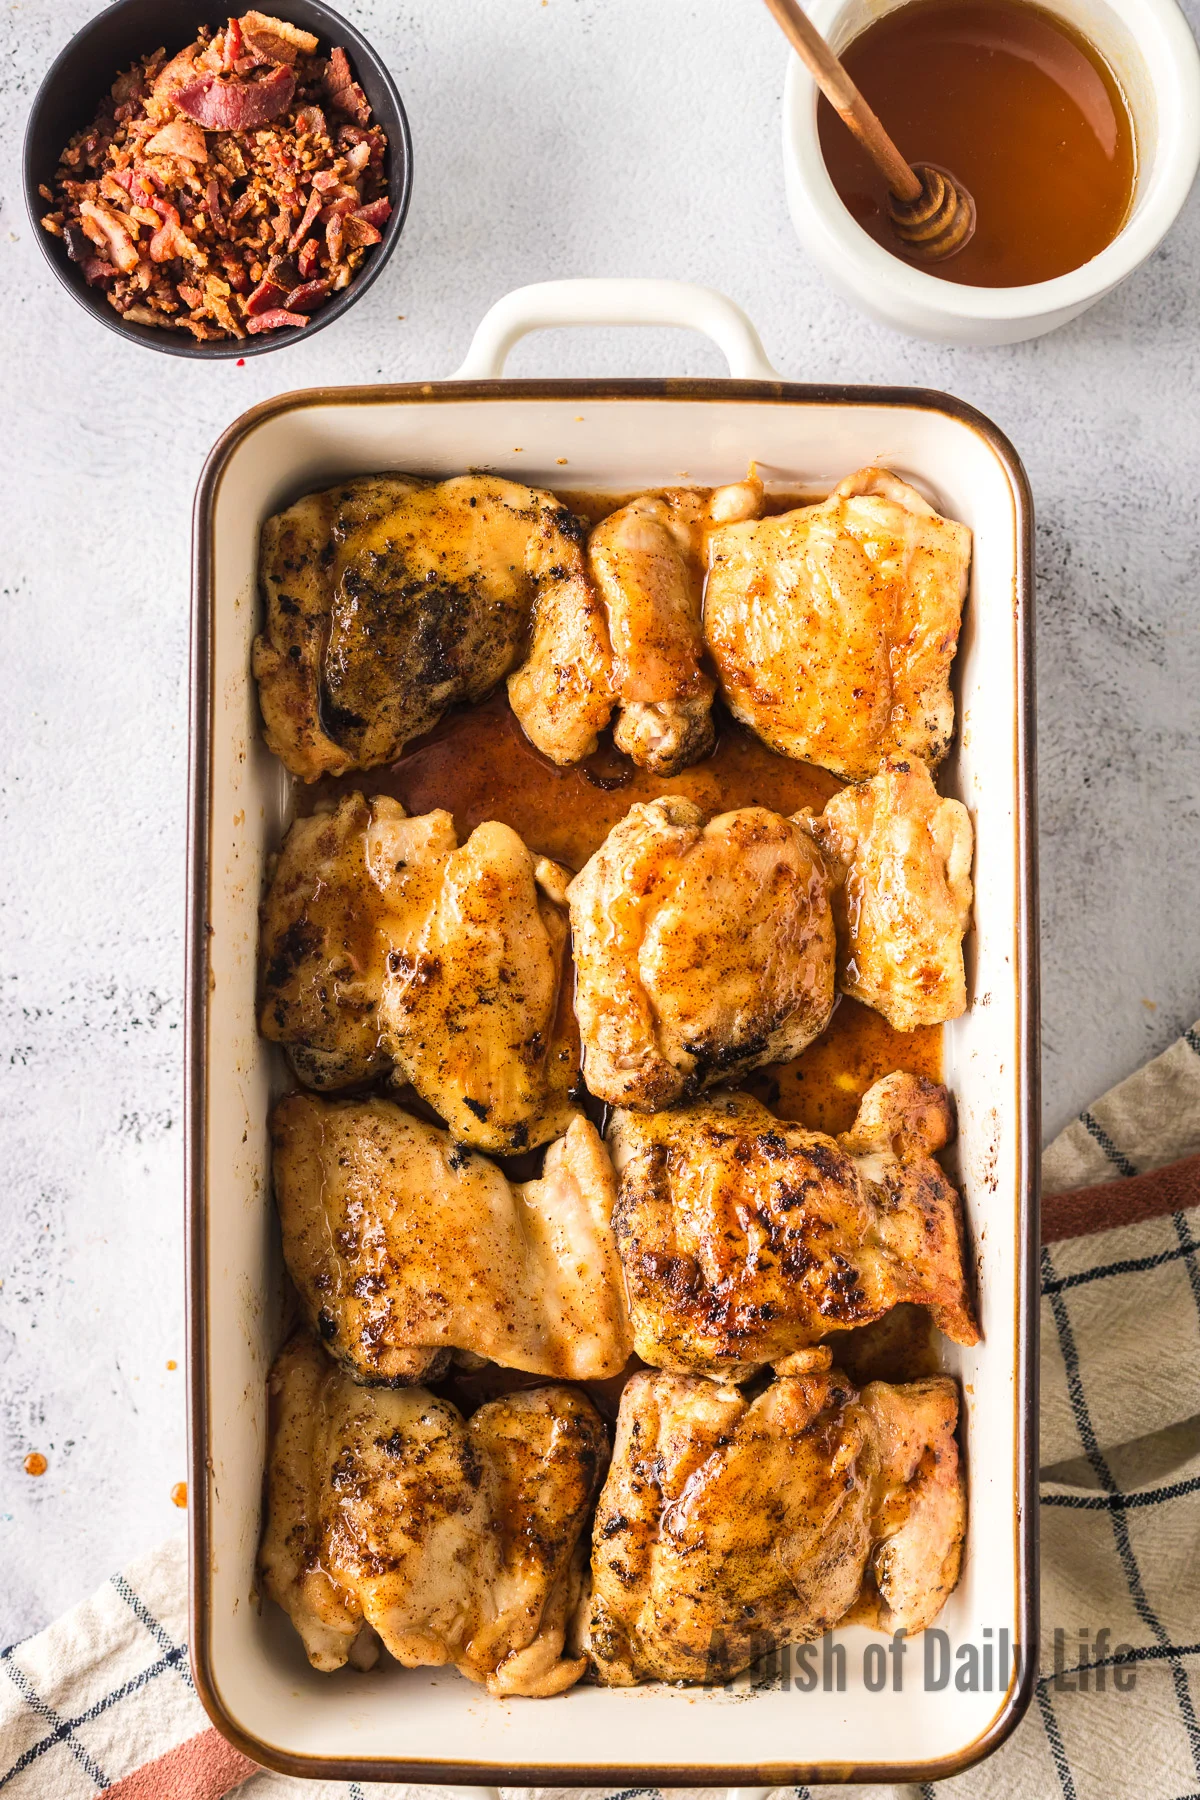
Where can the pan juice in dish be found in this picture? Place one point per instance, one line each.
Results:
(721, 1171)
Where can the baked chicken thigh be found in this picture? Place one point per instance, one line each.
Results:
(647, 561)
(901, 857)
(700, 950)
(744, 1237)
(388, 599)
(403, 1246)
(391, 1519)
(728, 1526)
(833, 627)
(385, 946)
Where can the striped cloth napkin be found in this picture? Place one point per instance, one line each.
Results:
(102, 1701)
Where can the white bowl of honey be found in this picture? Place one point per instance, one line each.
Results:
(1075, 126)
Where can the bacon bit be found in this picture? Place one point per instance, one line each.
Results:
(306, 262)
(181, 68)
(181, 137)
(333, 236)
(359, 157)
(270, 321)
(236, 105)
(78, 248)
(359, 231)
(303, 299)
(97, 272)
(212, 57)
(325, 179)
(310, 119)
(233, 46)
(267, 297)
(274, 39)
(108, 232)
(169, 241)
(343, 92)
(127, 87)
(307, 222)
(212, 198)
(191, 296)
(377, 213)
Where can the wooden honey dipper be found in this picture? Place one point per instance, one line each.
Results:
(931, 213)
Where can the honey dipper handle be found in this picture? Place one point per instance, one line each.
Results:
(844, 97)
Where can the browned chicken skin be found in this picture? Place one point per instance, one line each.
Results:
(647, 561)
(902, 858)
(701, 950)
(834, 627)
(385, 947)
(403, 1245)
(745, 1237)
(389, 599)
(390, 1519)
(728, 1525)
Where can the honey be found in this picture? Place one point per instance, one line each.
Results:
(1014, 103)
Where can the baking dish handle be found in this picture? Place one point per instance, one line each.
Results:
(615, 301)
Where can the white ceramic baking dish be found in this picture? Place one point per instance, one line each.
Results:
(431, 1724)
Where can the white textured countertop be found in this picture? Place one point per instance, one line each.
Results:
(552, 137)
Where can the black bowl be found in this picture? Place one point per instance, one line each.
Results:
(130, 29)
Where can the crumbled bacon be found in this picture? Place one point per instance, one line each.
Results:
(169, 241)
(232, 51)
(308, 295)
(344, 93)
(213, 193)
(274, 39)
(359, 232)
(78, 247)
(268, 296)
(109, 233)
(271, 321)
(233, 105)
(181, 68)
(180, 137)
(309, 219)
(377, 213)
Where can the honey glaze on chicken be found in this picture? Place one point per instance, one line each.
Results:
(478, 765)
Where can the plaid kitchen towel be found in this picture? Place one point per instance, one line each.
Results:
(102, 1701)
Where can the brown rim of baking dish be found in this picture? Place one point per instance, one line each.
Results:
(708, 391)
